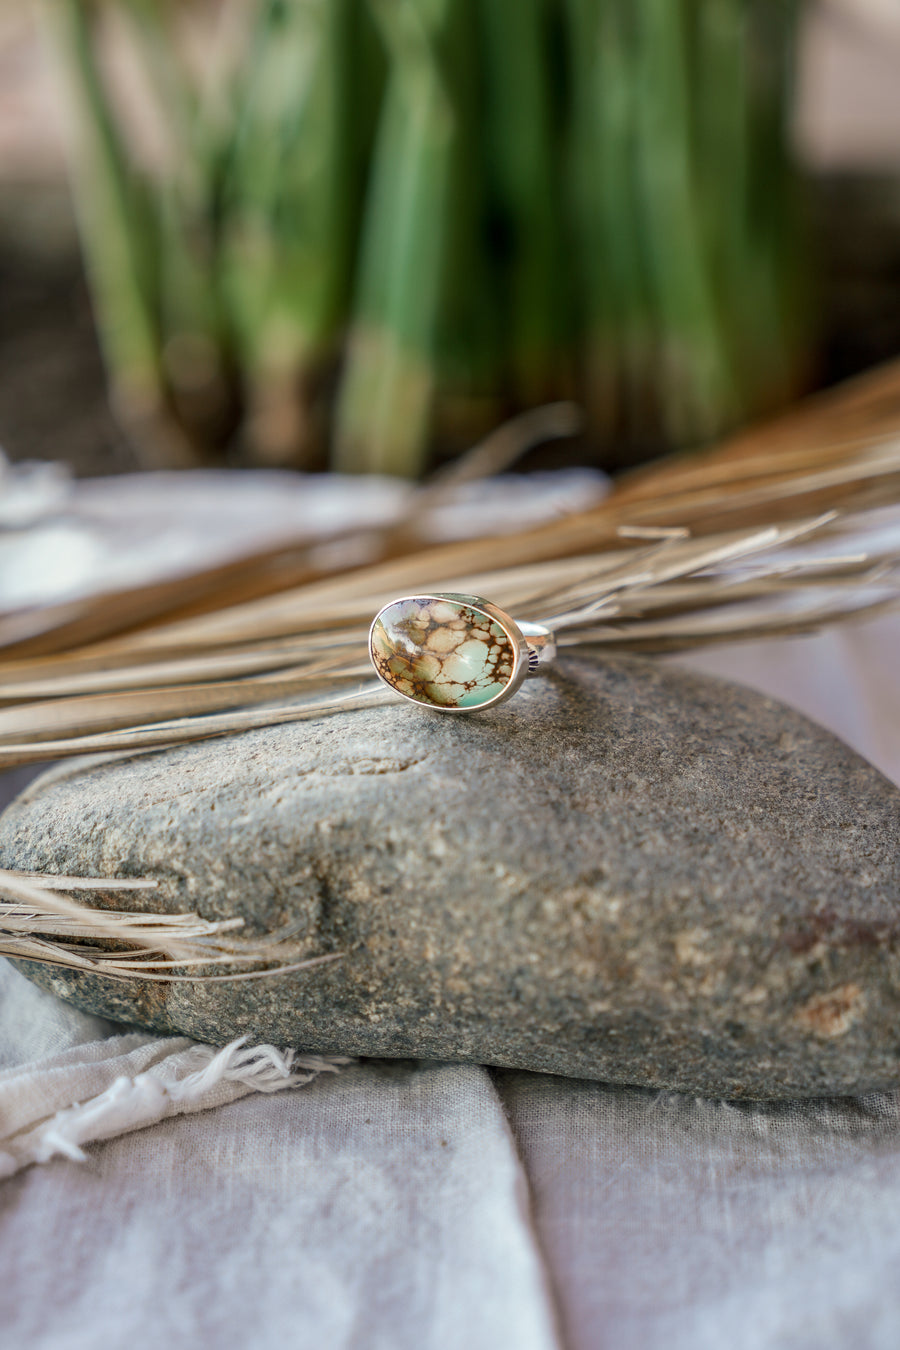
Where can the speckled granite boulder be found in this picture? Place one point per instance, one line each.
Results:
(627, 872)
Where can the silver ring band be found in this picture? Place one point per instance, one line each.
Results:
(541, 647)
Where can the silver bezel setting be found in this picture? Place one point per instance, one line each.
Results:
(512, 630)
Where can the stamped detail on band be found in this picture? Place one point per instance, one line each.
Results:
(442, 652)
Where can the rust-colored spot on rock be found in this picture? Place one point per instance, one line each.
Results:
(832, 1014)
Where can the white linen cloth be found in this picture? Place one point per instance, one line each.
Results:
(123, 1083)
(391, 1213)
(429, 1206)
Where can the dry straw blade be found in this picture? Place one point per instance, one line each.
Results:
(40, 922)
(780, 531)
(838, 450)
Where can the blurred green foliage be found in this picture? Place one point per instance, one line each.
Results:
(362, 232)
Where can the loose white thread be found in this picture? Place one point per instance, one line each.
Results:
(188, 1080)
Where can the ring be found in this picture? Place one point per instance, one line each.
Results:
(455, 653)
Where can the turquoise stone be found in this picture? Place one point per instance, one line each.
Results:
(442, 652)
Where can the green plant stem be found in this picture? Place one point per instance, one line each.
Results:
(472, 320)
(292, 193)
(698, 385)
(194, 338)
(776, 199)
(117, 224)
(385, 399)
(619, 335)
(525, 186)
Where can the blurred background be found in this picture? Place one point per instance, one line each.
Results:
(361, 234)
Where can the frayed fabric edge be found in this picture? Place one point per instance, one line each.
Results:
(190, 1079)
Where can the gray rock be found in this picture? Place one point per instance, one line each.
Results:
(628, 872)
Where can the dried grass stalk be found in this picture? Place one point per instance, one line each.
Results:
(779, 531)
(39, 922)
